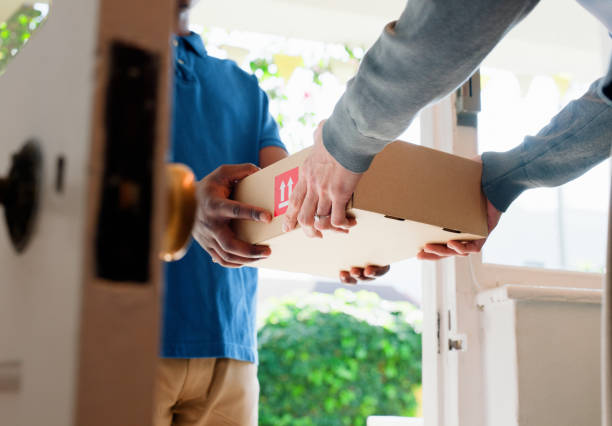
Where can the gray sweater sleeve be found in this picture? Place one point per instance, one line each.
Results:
(576, 139)
(428, 52)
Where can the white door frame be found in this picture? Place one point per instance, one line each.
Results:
(453, 379)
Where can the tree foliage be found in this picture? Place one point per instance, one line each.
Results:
(335, 360)
(16, 31)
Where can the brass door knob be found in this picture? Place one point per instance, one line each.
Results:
(180, 216)
(19, 194)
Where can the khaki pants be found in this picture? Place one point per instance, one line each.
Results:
(206, 392)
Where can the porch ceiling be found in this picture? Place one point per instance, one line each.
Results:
(559, 36)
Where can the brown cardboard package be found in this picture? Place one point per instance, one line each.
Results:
(411, 195)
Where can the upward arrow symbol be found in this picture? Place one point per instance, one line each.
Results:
(282, 189)
(290, 188)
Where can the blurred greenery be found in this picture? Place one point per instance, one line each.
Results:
(16, 31)
(266, 68)
(337, 359)
(265, 65)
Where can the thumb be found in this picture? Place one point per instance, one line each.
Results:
(235, 172)
(493, 216)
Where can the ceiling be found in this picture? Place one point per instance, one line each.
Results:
(559, 36)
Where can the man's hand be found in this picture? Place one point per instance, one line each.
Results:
(460, 248)
(323, 190)
(369, 273)
(215, 211)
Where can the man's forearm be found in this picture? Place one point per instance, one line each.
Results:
(428, 52)
(577, 138)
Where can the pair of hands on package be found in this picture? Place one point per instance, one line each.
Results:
(318, 203)
(324, 189)
(215, 211)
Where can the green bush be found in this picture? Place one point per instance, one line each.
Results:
(16, 32)
(335, 360)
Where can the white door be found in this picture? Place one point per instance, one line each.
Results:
(505, 345)
(79, 304)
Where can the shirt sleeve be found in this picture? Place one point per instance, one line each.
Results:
(268, 129)
(433, 47)
(605, 86)
(576, 139)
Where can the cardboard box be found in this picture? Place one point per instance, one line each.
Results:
(411, 195)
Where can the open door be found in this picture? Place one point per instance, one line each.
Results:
(79, 290)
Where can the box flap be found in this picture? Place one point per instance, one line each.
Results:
(424, 185)
(376, 240)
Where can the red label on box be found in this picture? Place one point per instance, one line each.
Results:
(283, 187)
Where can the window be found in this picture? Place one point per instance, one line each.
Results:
(572, 219)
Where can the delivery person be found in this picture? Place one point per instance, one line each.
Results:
(427, 53)
(208, 373)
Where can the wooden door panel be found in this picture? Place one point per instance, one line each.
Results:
(47, 95)
(84, 347)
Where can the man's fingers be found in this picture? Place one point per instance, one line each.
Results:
(231, 209)
(423, 255)
(346, 278)
(339, 218)
(229, 257)
(474, 246)
(452, 248)
(456, 246)
(216, 258)
(307, 212)
(323, 223)
(229, 251)
(324, 204)
(229, 243)
(439, 249)
(373, 271)
(466, 247)
(369, 273)
(235, 172)
(295, 205)
(312, 232)
(358, 274)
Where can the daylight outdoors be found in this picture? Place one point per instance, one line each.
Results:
(329, 353)
(573, 217)
(303, 80)
(16, 32)
(332, 354)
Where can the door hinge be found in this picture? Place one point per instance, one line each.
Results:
(467, 102)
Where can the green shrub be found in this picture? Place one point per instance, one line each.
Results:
(335, 360)
(16, 31)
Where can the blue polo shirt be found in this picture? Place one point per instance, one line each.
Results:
(220, 116)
